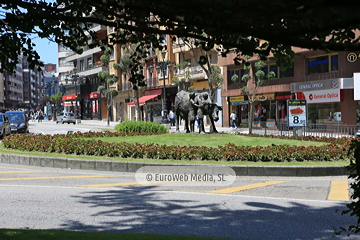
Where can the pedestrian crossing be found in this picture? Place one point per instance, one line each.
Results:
(333, 190)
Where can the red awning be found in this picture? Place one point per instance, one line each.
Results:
(142, 100)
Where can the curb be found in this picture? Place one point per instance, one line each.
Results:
(123, 166)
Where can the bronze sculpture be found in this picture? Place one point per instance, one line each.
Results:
(188, 106)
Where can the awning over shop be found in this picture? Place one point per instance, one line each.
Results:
(142, 100)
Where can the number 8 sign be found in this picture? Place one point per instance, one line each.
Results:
(297, 113)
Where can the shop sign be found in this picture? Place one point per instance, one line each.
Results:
(69, 104)
(283, 97)
(94, 95)
(319, 85)
(237, 99)
(323, 96)
(352, 57)
(265, 96)
(240, 103)
(296, 112)
(68, 97)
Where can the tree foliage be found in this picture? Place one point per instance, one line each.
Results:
(56, 100)
(236, 26)
(108, 81)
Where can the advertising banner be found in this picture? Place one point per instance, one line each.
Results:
(323, 96)
(297, 113)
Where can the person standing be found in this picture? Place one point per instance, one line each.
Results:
(233, 119)
(172, 118)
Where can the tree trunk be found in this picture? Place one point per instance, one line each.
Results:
(251, 116)
(137, 105)
(108, 113)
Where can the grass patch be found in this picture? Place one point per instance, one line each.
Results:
(73, 156)
(15, 234)
(208, 140)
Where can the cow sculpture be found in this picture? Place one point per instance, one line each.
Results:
(188, 106)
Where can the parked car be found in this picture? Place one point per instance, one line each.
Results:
(66, 117)
(18, 121)
(5, 128)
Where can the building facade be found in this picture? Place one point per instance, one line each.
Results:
(324, 80)
(79, 81)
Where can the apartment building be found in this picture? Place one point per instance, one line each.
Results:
(22, 89)
(324, 80)
(79, 81)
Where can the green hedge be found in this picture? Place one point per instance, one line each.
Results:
(73, 144)
(140, 127)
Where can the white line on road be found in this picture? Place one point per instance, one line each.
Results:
(177, 192)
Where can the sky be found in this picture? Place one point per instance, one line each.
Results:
(47, 50)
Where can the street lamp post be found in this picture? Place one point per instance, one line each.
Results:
(163, 67)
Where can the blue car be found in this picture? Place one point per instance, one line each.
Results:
(18, 121)
(4, 126)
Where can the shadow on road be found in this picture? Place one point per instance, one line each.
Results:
(147, 211)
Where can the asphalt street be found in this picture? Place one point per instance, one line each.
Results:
(79, 200)
(250, 208)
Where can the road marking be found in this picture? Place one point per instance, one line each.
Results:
(246, 187)
(339, 191)
(19, 171)
(111, 184)
(124, 184)
(60, 177)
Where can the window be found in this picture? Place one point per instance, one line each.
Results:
(89, 63)
(323, 64)
(82, 65)
(289, 72)
(238, 72)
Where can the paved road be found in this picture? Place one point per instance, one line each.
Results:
(46, 198)
(50, 127)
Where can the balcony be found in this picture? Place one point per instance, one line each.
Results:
(195, 73)
(97, 27)
(92, 70)
(87, 52)
(125, 87)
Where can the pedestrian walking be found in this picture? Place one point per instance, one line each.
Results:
(233, 119)
(41, 116)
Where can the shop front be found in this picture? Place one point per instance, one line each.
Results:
(281, 106)
(150, 106)
(326, 100)
(239, 105)
(264, 110)
(92, 109)
(70, 103)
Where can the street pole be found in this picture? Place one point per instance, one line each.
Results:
(164, 100)
(162, 67)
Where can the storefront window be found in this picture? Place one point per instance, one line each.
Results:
(358, 113)
(324, 112)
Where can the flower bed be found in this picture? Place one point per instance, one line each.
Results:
(73, 144)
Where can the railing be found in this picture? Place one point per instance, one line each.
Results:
(124, 87)
(336, 129)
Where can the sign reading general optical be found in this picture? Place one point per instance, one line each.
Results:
(332, 95)
(317, 85)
